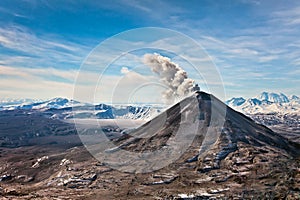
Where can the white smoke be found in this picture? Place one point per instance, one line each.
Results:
(171, 74)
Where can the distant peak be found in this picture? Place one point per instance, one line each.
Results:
(58, 99)
(294, 97)
(235, 101)
(273, 97)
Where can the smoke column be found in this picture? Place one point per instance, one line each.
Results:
(171, 74)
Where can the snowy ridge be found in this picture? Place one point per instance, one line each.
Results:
(28, 104)
(57, 103)
(9, 101)
(103, 111)
(10, 104)
(266, 103)
(63, 108)
(273, 97)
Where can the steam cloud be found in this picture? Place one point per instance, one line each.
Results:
(171, 74)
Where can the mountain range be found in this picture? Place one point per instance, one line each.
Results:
(63, 108)
(266, 103)
(28, 104)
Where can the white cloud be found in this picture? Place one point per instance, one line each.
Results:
(287, 17)
(41, 73)
(34, 88)
(118, 89)
(39, 51)
(124, 70)
(36, 83)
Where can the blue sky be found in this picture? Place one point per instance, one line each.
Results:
(254, 44)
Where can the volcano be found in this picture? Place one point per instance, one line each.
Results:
(201, 125)
(197, 149)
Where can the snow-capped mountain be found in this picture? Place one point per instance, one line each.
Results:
(277, 111)
(11, 102)
(56, 103)
(104, 111)
(294, 98)
(27, 104)
(266, 103)
(63, 108)
(236, 101)
(273, 97)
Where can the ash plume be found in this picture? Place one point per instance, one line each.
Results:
(171, 74)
